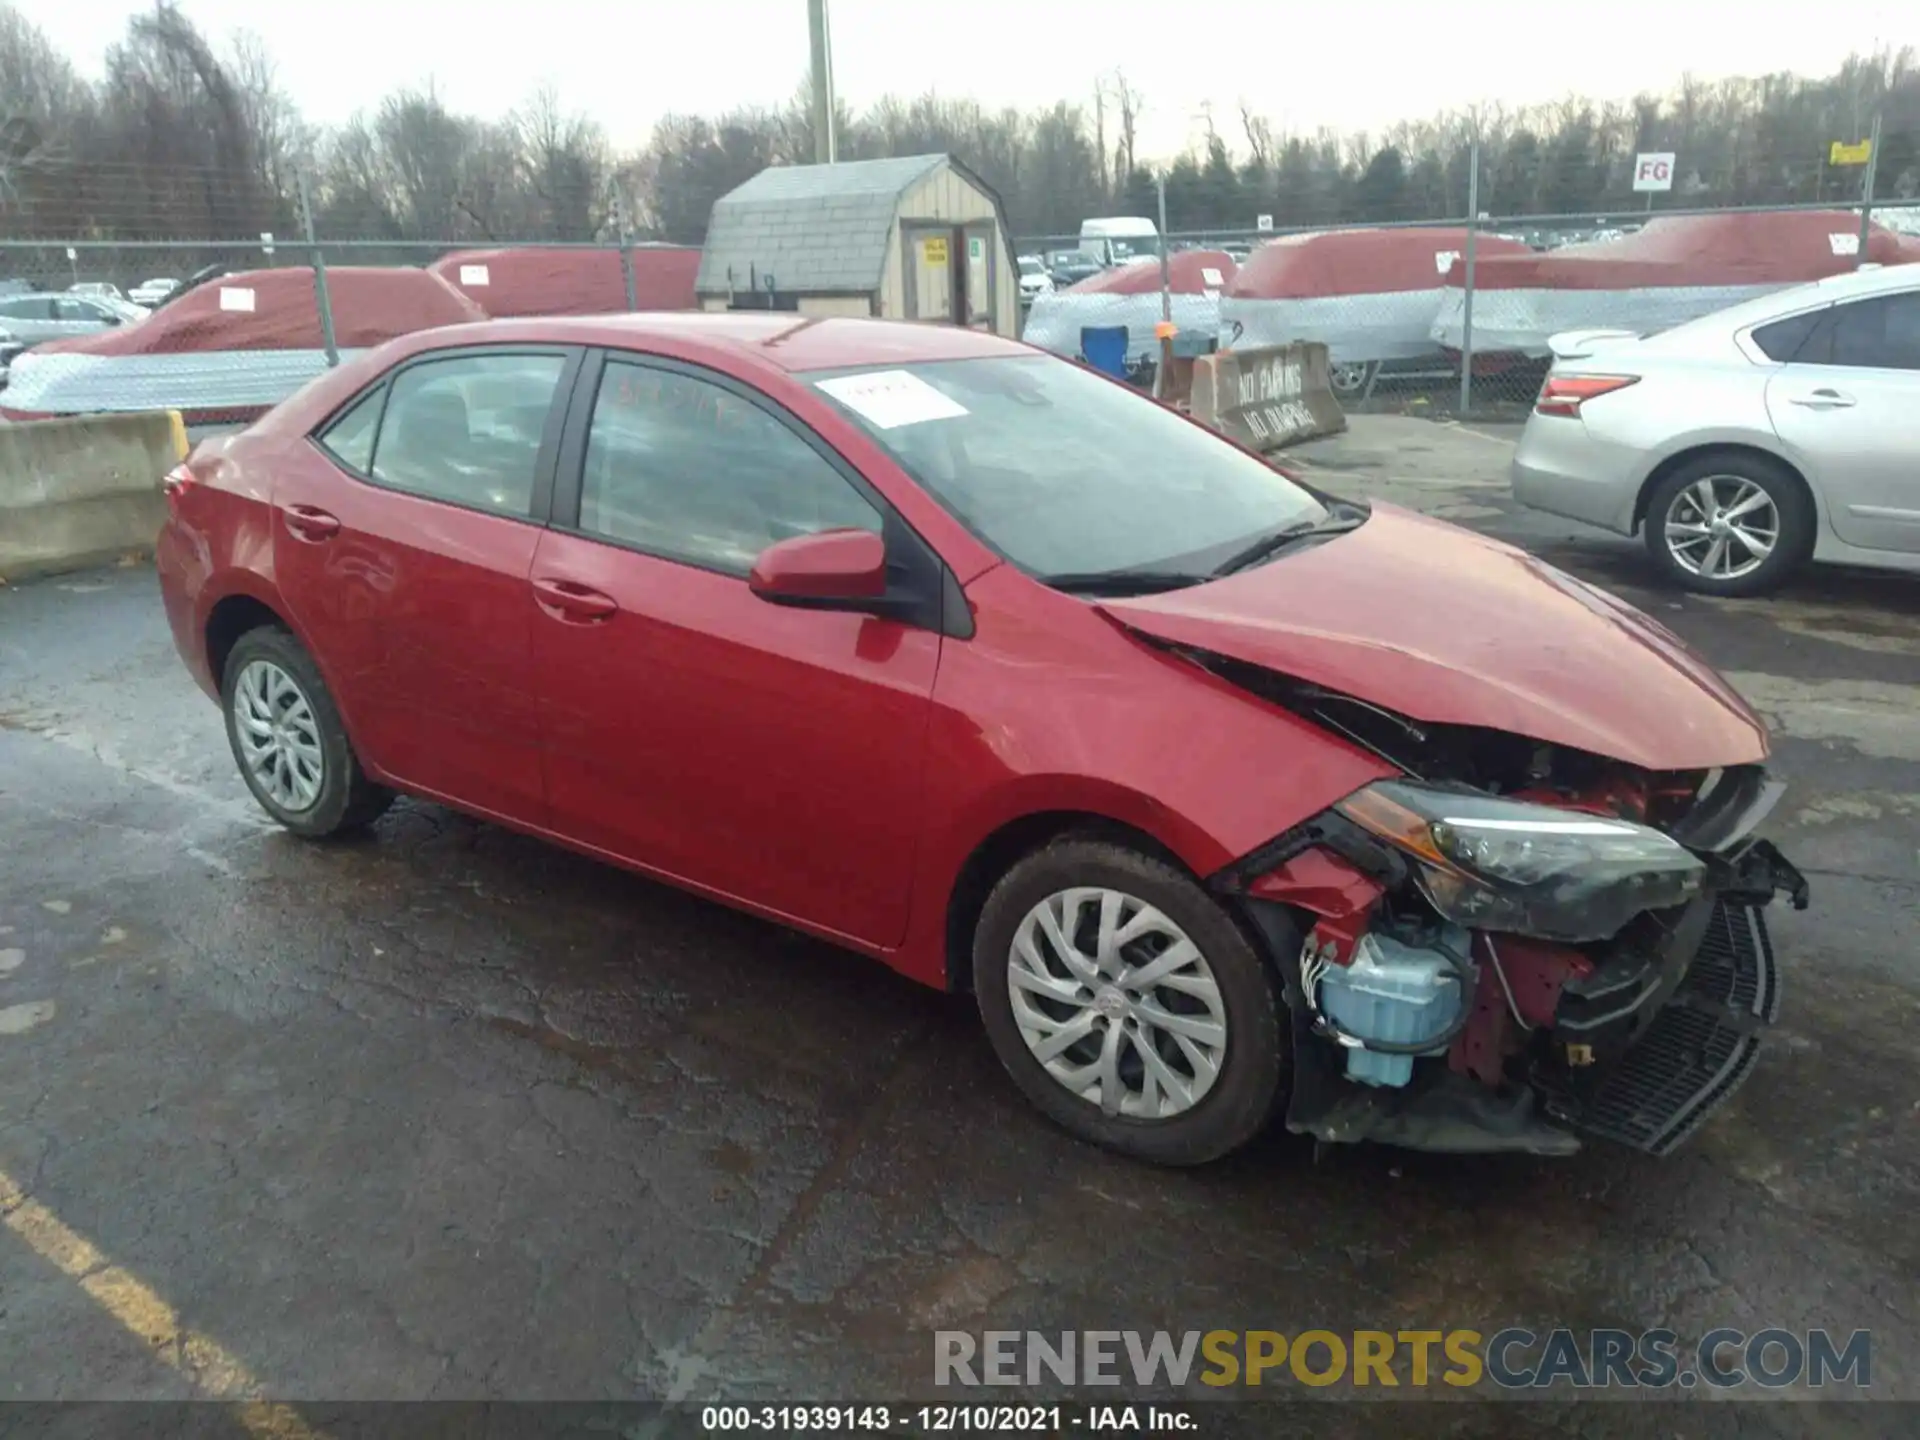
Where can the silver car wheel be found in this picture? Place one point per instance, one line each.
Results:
(1348, 378)
(1117, 1003)
(279, 737)
(1722, 527)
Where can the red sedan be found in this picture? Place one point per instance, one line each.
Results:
(1226, 798)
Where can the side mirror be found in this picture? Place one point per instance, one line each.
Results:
(831, 570)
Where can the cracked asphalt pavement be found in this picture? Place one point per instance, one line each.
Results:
(447, 1113)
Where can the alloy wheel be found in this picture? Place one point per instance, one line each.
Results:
(279, 738)
(1722, 527)
(1117, 1003)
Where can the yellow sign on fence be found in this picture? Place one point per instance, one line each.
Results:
(1845, 154)
(934, 249)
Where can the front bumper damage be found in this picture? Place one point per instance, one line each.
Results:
(1636, 1041)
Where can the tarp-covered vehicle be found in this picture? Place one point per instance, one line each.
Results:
(1370, 296)
(568, 280)
(1676, 268)
(1129, 295)
(230, 347)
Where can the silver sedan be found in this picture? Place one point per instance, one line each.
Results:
(35, 316)
(1747, 442)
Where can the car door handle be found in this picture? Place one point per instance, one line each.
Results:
(1824, 399)
(565, 600)
(308, 523)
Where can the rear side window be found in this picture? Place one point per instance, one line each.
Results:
(31, 309)
(1782, 339)
(1882, 333)
(349, 439)
(1879, 334)
(467, 429)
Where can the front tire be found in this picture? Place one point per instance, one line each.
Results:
(1127, 1005)
(1729, 524)
(289, 742)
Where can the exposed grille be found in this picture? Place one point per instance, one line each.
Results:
(1688, 1061)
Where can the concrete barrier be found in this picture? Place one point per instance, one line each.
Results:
(1268, 397)
(77, 492)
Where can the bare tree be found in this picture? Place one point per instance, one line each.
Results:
(1258, 131)
(1132, 104)
(567, 164)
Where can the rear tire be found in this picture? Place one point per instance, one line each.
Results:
(289, 742)
(1703, 521)
(1350, 380)
(1146, 1019)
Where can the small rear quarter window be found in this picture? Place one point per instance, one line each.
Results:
(1781, 339)
(349, 438)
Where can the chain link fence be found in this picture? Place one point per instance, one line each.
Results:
(1436, 317)
(224, 329)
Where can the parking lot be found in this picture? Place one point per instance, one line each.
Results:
(451, 1114)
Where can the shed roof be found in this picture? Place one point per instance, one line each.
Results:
(814, 227)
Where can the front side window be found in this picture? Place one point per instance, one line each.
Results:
(681, 467)
(467, 429)
(1066, 473)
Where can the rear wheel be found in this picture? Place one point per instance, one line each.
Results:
(1127, 1005)
(288, 740)
(1351, 379)
(1730, 524)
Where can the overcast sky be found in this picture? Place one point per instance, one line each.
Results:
(1360, 64)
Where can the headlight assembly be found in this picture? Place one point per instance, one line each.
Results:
(1492, 864)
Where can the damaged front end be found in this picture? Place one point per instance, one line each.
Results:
(1517, 944)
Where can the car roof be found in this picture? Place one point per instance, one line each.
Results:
(781, 340)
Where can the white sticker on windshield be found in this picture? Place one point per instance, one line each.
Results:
(1213, 277)
(474, 275)
(1847, 244)
(891, 398)
(236, 297)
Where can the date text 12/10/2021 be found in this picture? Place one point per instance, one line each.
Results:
(1119, 1419)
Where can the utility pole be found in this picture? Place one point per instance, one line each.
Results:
(1466, 309)
(1866, 190)
(824, 149)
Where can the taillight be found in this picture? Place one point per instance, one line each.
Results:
(1564, 394)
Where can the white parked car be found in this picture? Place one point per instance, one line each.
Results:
(1034, 279)
(1746, 442)
(152, 292)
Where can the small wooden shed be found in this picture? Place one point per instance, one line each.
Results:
(913, 238)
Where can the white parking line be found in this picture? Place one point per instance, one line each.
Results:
(1480, 434)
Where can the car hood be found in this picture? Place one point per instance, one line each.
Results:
(1450, 627)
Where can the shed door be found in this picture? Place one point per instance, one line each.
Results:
(933, 253)
(982, 292)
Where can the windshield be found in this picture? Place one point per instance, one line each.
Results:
(1029, 266)
(1065, 472)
